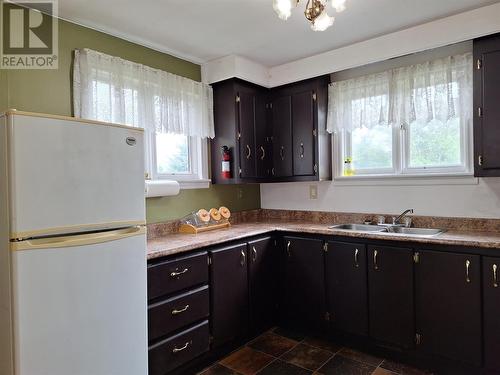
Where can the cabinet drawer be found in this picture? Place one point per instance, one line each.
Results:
(178, 350)
(177, 312)
(177, 274)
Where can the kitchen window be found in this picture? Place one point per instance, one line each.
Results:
(176, 113)
(410, 121)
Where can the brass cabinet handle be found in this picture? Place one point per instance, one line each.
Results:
(273, 171)
(263, 153)
(254, 254)
(495, 279)
(177, 350)
(249, 152)
(288, 248)
(467, 268)
(243, 257)
(375, 264)
(282, 152)
(356, 256)
(178, 273)
(301, 150)
(175, 312)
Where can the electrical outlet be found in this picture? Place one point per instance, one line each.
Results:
(313, 191)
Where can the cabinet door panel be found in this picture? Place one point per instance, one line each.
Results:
(346, 284)
(303, 138)
(262, 265)
(304, 303)
(391, 304)
(282, 136)
(491, 312)
(490, 129)
(262, 139)
(448, 301)
(246, 120)
(229, 293)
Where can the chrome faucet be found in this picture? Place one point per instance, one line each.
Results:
(397, 220)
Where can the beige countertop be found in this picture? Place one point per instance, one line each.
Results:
(176, 243)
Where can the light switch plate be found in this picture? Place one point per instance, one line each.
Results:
(313, 191)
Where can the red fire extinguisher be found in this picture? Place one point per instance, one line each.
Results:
(226, 162)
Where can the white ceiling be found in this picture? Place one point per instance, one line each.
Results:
(203, 30)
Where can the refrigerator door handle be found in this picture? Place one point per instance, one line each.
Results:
(78, 239)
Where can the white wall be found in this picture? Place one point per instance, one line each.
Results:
(480, 200)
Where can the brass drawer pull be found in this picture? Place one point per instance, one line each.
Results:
(249, 152)
(254, 254)
(263, 153)
(375, 256)
(288, 248)
(302, 150)
(282, 152)
(175, 312)
(467, 269)
(178, 273)
(243, 258)
(186, 345)
(495, 279)
(356, 260)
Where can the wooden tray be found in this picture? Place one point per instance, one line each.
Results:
(191, 229)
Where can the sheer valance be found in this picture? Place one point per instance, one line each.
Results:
(435, 90)
(109, 88)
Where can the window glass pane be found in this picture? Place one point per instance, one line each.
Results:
(172, 154)
(372, 148)
(435, 144)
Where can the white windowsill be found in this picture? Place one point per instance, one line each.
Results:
(407, 180)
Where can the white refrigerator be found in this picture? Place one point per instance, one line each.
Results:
(73, 289)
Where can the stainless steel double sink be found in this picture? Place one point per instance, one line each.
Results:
(390, 229)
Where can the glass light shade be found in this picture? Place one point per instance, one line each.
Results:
(323, 22)
(283, 8)
(339, 5)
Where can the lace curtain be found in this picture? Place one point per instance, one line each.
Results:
(435, 90)
(111, 89)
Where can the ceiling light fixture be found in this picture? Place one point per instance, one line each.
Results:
(315, 11)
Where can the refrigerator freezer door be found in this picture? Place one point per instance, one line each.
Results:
(69, 176)
(81, 310)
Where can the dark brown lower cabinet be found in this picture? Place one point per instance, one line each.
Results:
(491, 312)
(448, 300)
(229, 293)
(391, 303)
(262, 276)
(304, 303)
(346, 285)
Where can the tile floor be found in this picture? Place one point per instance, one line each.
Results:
(279, 352)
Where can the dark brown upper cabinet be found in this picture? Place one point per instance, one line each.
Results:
(301, 145)
(487, 106)
(448, 305)
(275, 135)
(282, 136)
(240, 115)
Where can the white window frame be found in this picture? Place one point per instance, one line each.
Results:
(400, 154)
(198, 162)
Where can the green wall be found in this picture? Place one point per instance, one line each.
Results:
(49, 91)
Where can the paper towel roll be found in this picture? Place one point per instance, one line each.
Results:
(161, 188)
